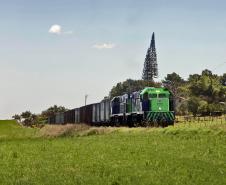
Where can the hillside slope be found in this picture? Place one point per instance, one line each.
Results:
(10, 129)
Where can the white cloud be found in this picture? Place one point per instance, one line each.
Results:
(104, 46)
(55, 29)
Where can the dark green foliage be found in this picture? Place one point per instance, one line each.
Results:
(223, 79)
(130, 85)
(29, 119)
(52, 110)
(17, 117)
(206, 72)
(194, 78)
(196, 105)
(206, 93)
(199, 94)
(174, 79)
(26, 114)
(43, 117)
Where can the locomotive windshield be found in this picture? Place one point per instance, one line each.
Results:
(152, 95)
(163, 96)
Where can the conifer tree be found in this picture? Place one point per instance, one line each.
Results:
(150, 70)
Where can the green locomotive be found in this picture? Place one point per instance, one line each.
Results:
(157, 106)
(151, 106)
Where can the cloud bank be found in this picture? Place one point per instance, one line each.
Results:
(104, 46)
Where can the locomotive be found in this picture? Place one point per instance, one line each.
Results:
(150, 106)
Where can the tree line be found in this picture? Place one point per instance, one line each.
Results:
(28, 118)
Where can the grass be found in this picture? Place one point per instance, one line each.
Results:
(10, 130)
(183, 154)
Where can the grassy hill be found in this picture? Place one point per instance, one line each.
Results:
(9, 129)
(185, 154)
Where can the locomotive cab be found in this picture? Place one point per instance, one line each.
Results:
(161, 102)
(156, 105)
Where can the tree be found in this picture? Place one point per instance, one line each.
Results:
(29, 119)
(26, 114)
(182, 108)
(130, 86)
(174, 79)
(209, 92)
(223, 79)
(193, 105)
(203, 107)
(150, 70)
(17, 117)
(207, 86)
(194, 78)
(207, 72)
(52, 110)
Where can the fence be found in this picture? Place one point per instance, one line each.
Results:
(205, 119)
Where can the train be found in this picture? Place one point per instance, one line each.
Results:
(147, 107)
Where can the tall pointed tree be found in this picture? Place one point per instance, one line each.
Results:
(150, 70)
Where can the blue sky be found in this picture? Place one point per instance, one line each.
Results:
(100, 43)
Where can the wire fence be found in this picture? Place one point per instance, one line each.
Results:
(206, 120)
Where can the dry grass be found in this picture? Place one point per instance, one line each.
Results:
(85, 130)
(75, 130)
(62, 130)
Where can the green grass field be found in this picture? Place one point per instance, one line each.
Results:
(184, 154)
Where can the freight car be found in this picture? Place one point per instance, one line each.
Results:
(151, 106)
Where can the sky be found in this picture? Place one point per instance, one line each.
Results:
(55, 52)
